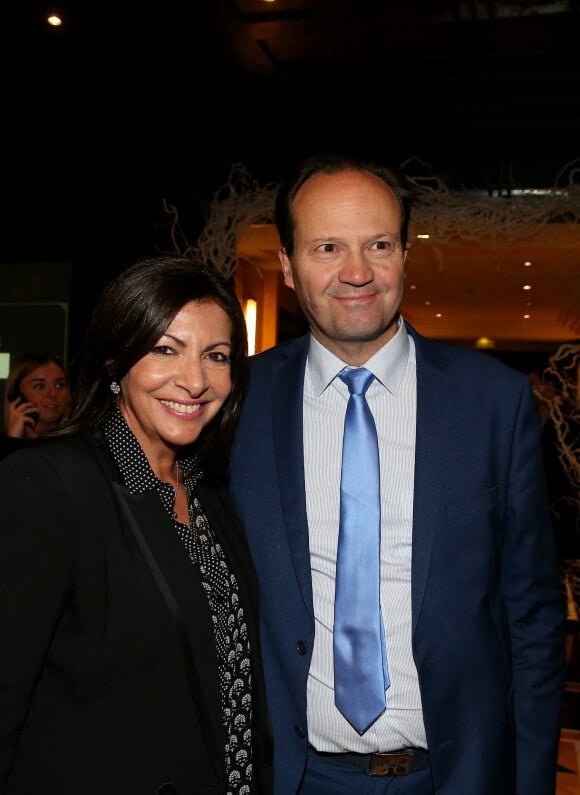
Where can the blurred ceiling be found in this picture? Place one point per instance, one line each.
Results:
(486, 92)
(121, 108)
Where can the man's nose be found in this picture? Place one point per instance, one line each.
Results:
(356, 269)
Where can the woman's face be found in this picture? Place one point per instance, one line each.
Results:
(48, 389)
(175, 390)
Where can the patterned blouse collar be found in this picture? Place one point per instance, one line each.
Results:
(132, 462)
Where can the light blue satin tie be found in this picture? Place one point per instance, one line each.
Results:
(360, 663)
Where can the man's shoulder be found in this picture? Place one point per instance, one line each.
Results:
(468, 361)
(288, 350)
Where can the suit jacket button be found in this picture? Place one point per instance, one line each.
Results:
(300, 731)
(301, 647)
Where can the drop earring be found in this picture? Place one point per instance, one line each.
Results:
(115, 388)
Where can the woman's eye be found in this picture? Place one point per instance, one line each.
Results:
(217, 358)
(162, 350)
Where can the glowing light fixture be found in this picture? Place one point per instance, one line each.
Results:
(484, 343)
(250, 315)
(54, 20)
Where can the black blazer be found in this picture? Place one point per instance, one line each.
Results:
(108, 674)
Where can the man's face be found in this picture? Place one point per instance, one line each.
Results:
(348, 267)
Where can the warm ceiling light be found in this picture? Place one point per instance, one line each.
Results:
(527, 263)
(54, 20)
(412, 287)
(438, 314)
(527, 317)
(527, 287)
(423, 237)
(484, 343)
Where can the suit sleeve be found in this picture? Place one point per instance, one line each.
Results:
(36, 571)
(535, 606)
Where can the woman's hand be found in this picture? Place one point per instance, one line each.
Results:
(21, 419)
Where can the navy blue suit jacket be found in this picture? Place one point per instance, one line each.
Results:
(487, 605)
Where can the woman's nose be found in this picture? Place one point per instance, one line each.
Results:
(192, 376)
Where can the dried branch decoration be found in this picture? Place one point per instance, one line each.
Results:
(466, 215)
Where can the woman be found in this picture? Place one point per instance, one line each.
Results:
(37, 396)
(128, 614)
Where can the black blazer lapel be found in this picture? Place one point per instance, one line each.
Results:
(186, 602)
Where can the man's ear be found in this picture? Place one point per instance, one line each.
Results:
(286, 267)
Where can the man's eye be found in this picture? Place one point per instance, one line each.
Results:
(384, 245)
(327, 248)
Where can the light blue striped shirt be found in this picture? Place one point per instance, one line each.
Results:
(392, 400)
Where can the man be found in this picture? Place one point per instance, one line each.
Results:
(470, 597)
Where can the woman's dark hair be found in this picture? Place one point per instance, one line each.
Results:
(131, 314)
(328, 164)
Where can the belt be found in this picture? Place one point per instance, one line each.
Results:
(394, 763)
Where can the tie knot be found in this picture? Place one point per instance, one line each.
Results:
(357, 380)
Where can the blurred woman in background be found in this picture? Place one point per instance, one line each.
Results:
(37, 396)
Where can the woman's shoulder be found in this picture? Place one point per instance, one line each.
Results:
(10, 444)
(74, 455)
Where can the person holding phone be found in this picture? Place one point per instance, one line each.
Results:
(37, 396)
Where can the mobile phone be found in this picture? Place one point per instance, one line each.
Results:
(17, 395)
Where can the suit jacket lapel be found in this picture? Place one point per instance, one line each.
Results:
(287, 397)
(435, 399)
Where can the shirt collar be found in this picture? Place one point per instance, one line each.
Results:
(388, 364)
(132, 462)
